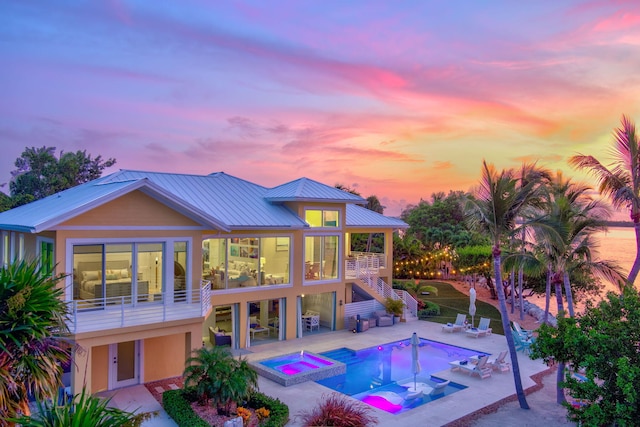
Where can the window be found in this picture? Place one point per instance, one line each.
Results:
(322, 218)
(119, 272)
(5, 249)
(241, 262)
(321, 257)
(45, 253)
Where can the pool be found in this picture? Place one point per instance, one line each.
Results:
(295, 368)
(376, 375)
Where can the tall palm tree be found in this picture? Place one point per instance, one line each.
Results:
(32, 329)
(571, 217)
(493, 207)
(620, 181)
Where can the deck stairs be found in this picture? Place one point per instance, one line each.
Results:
(344, 355)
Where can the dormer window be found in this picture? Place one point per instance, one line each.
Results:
(325, 218)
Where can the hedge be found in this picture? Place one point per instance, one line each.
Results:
(178, 406)
(430, 309)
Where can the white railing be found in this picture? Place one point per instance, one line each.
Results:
(117, 312)
(410, 303)
(362, 266)
(382, 259)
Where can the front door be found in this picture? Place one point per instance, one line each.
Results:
(124, 362)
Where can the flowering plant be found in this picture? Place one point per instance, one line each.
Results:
(244, 413)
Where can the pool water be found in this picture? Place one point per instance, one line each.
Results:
(373, 375)
(293, 364)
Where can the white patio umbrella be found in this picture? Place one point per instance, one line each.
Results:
(472, 304)
(415, 361)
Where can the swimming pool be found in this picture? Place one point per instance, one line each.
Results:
(374, 375)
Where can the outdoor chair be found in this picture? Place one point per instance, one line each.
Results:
(461, 318)
(482, 330)
(499, 363)
(521, 343)
(481, 369)
(358, 324)
(524, 333)
(382, 318)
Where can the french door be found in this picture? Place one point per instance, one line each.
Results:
(124, 364)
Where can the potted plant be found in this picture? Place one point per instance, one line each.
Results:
(395, 307)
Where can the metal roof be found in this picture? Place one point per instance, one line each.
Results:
(308, 190)
(217, 201)
(359, 217)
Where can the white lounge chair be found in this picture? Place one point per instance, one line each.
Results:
(481, 369)
(482, 330)
(499, 363)
(457, 326)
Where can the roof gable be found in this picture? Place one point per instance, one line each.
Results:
(308, 190)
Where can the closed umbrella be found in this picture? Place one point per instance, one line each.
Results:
(415, 361)
(472, 304)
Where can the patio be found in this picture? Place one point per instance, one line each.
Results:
(479, 394)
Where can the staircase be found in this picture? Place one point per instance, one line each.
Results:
(380, 290)
(344, 355)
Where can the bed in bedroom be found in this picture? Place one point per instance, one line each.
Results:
(117, 280)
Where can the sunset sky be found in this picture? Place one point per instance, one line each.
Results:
(396, 99)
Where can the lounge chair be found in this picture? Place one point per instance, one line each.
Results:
(499, 363)
(481, 369)
(482, 330)
(439, 388)
(457, 326)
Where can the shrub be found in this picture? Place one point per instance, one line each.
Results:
(177, 405)
(337, 410)
(430, 309)
(278, 411)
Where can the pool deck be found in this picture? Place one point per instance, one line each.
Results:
(479, 394)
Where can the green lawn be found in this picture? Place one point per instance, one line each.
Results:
(452, 302)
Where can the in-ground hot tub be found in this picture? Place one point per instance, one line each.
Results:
(296, 368)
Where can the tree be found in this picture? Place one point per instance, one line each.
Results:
(39, 173)
(32, 346)
(217, 376)
(603, 342)
(620, 182)
(493, 207)
(373, 204)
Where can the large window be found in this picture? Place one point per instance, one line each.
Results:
(119, 272)
(242, 262)
(45, 253)
(322, 218)
(321, 257)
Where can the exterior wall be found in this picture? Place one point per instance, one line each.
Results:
(164, 357)
(133, 209)
(99, 369)
(170, 344)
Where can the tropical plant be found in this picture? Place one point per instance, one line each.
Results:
(32, 329)
(620, 181)
(84, 410)
(603, 342)
(215, 375)
(494, 207)
(338, 410)
(394, 306)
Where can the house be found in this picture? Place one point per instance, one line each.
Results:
(156, 263)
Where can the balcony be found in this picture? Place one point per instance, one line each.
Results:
(118, 312)
(363, 264)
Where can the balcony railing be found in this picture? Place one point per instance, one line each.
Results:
(363, 265)
(117, 312)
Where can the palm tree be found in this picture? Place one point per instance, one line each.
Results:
(216, 376)
(620, 182)
(494, 206)
(32, 326)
